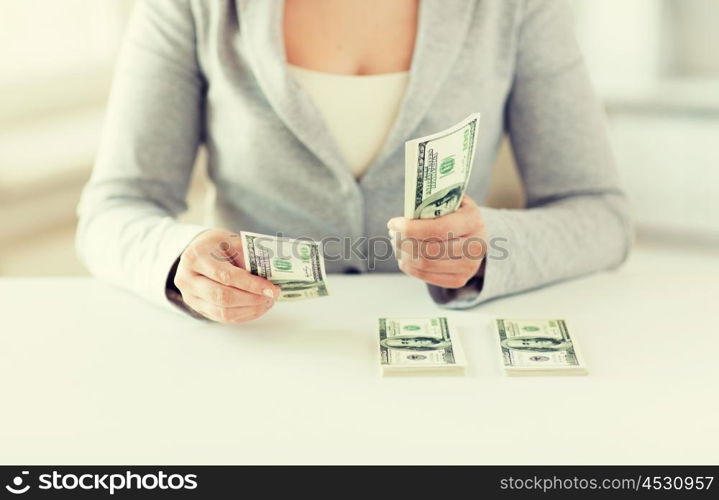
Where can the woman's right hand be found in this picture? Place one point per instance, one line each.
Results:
(214, 283)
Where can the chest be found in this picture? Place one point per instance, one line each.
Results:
(350, 37)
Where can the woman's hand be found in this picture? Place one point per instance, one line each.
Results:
(446, 251)
(213, 282)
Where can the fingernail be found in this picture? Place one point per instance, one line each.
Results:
(393, 224)
(268, 293)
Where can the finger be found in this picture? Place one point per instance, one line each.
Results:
(221, 295)
(464, 222)
(468, 203)
(472, 248)
(226, 314)
(231, 275)
(439, 267)
(446, 266)
(439, 279)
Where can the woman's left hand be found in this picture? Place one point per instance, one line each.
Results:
(446, 251)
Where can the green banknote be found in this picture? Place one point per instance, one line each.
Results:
(437, 169)
(538, 347)
(296, 266)
(418, 344)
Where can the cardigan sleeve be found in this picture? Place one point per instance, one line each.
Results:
(577, 218)
(127, 232)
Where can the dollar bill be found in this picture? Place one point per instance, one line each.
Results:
(437, 168)
(409, 345)
(538, 347)
(296, 266)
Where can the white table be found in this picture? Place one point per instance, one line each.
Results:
(91, 374)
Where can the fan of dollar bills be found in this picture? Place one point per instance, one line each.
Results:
(296, 266)
(437, 169)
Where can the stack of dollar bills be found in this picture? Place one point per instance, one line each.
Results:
(296, 266)
(538, 347)
(437, 169)
(412, 345)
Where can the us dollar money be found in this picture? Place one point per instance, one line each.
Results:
(437, 169)
(538, 347)
(409, 345)
(297, 267)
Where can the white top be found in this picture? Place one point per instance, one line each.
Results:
(358, 110)
(105, 377)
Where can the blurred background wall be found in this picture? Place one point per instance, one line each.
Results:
(655, 64)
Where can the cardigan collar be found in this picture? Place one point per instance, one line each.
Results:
(441, 31)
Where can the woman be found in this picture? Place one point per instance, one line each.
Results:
(304, 107)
